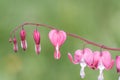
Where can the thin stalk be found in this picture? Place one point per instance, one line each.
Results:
(69, 34)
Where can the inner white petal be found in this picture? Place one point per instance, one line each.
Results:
(24, 44)
(21, 44)
(57, 47)
(83, 65)
(100, 77)
(57, 51)
(119, 78)
(37, 48)
(101, 68)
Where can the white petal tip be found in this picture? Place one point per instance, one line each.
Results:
(119, 78)
(24, 45)
(82, 73)
(38, 49)
(82, 76)
(100, 77)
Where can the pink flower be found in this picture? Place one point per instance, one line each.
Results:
(118, 65)
(23, 39)
(82, 57)
(57, 38)
(102, 60)
(15, 45)
(36, 36)
(95, 62)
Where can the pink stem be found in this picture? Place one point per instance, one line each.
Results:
(69, 34)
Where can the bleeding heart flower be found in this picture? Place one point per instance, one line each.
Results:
(23, 39)
(82, 57)
(102, 60)
(36, 36)
(57, 38)
(15, 45)
(118, 65)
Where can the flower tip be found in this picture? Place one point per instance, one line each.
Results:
(24, 45)
(82, 76)
(24, 49)
(15, 45)
(15, 51)
(118, 64)
(119, 78)
(37, 49)
(112, 64)
(10, 40)
(57, 55)
(37, 53)
(15, 48)
(70, 57)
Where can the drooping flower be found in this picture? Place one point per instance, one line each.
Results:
(23, 39)
(118, 65)
(15, 45)
(36, 36)
(82, 57)
(95, 61)
(57, 38)
(102, 60)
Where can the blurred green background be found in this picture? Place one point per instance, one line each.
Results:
(96, 20)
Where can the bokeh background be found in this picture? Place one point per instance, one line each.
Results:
(96, 20)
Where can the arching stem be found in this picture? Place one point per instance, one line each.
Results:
(69, 34)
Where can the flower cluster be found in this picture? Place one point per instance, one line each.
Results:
(96, 60)
(57, 38)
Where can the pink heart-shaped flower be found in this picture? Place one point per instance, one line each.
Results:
(57, 38)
